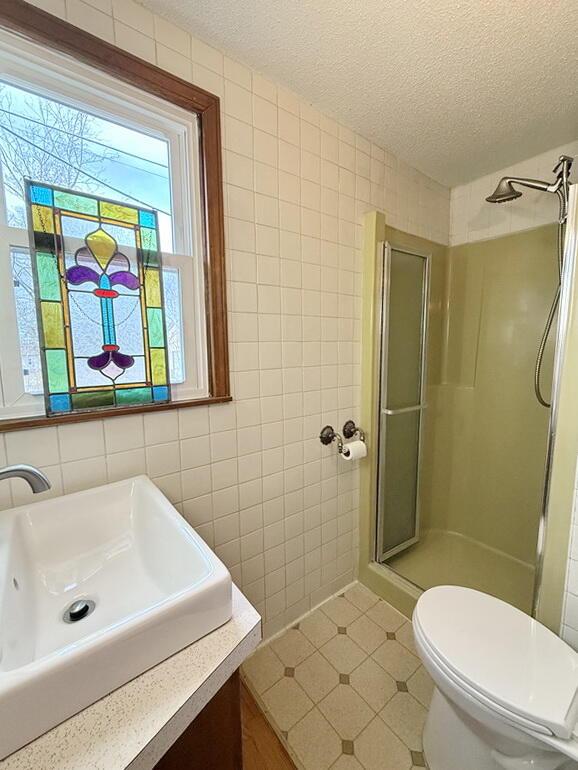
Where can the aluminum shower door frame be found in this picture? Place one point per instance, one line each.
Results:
(567, 283)
(384, 283)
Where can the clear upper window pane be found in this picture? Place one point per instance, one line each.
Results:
(47, 141)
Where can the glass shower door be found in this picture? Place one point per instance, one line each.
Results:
(402, 373)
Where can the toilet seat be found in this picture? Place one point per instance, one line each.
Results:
(500, 657)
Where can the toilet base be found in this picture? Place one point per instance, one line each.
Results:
(453, 740)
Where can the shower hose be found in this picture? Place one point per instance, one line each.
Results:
(551, 314)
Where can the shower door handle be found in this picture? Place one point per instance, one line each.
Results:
(405, 409)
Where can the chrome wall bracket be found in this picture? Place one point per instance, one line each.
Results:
(328, 435)
(350, 429)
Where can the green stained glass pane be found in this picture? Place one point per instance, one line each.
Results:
(155, 324)
(57, 371)
(158, 366)
(148, 239)
(48, 278)
(93, 399)
(52, 324)
(133, 396)
(72, 202)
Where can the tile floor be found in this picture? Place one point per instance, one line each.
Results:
(344, 688)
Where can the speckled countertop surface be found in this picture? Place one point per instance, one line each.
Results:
(134, 725)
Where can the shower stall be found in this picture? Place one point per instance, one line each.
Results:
(464, 376)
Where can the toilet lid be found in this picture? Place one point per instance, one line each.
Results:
(503, 654)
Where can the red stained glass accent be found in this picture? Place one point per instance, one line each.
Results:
(110, 347)
(105, 293)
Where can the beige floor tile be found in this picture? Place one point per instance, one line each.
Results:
(316, 676)
(374, 684)
(385, 616)
(378, 748)
(343, 654)
(286, 703)
(263, 669)
(367, 634)
(315, 742)
(347, 762)
(421, 686)
(346, 711)
(406, 717)
(318, 628)
(361, 596)
(396, 660)
(292, 647)
(340, 611)
(405, 636)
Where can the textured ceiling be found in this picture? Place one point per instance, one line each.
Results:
(456, 88)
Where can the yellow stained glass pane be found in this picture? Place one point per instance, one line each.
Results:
(153, 288)
(42, 219)
(102, 246)
(158, 364)
(116, 211)
(52, 324)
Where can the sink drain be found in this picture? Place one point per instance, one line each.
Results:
(78, 610)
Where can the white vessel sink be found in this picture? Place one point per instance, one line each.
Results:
(152, 585)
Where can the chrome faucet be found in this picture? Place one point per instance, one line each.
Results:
(35, 478)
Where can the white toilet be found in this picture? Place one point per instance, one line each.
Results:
(506, 688)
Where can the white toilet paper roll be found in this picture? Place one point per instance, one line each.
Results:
(354, 450)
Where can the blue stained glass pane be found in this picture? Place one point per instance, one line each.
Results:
(147, 218)
(41, 195)
(60, 403)
(160, 393)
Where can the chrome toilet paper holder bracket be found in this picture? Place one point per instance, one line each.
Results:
(350, 429)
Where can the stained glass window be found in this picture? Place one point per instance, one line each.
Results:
(100, 301)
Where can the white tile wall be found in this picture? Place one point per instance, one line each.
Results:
(472, 218)
(569, 630)
(251, 476)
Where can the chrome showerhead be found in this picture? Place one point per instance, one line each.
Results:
(505, 191)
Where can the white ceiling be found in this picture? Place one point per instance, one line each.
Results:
(456, 88)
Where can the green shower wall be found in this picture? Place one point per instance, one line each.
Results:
(485, 434)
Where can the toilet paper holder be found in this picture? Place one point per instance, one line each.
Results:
(350, 429)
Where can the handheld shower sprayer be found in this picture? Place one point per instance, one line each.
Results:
(506, 191)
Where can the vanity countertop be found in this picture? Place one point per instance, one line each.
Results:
(134, 726)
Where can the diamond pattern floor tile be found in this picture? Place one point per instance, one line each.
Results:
(367, 634)
(340, 611)
(287, 703)
(346, 711)
(263, 669)
(293, 647)
(318, 628)
(406, 717)
(316, 676)
(346, 762)
(375, 685)
(378, 748)
(421, 686)
(396, 660)
(386, 616)
(343, 654)
(361, 596)
(344, 687)
(315, 742)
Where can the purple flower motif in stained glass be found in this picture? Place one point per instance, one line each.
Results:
(98, 262)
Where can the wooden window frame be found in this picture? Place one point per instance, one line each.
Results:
(38, 26)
